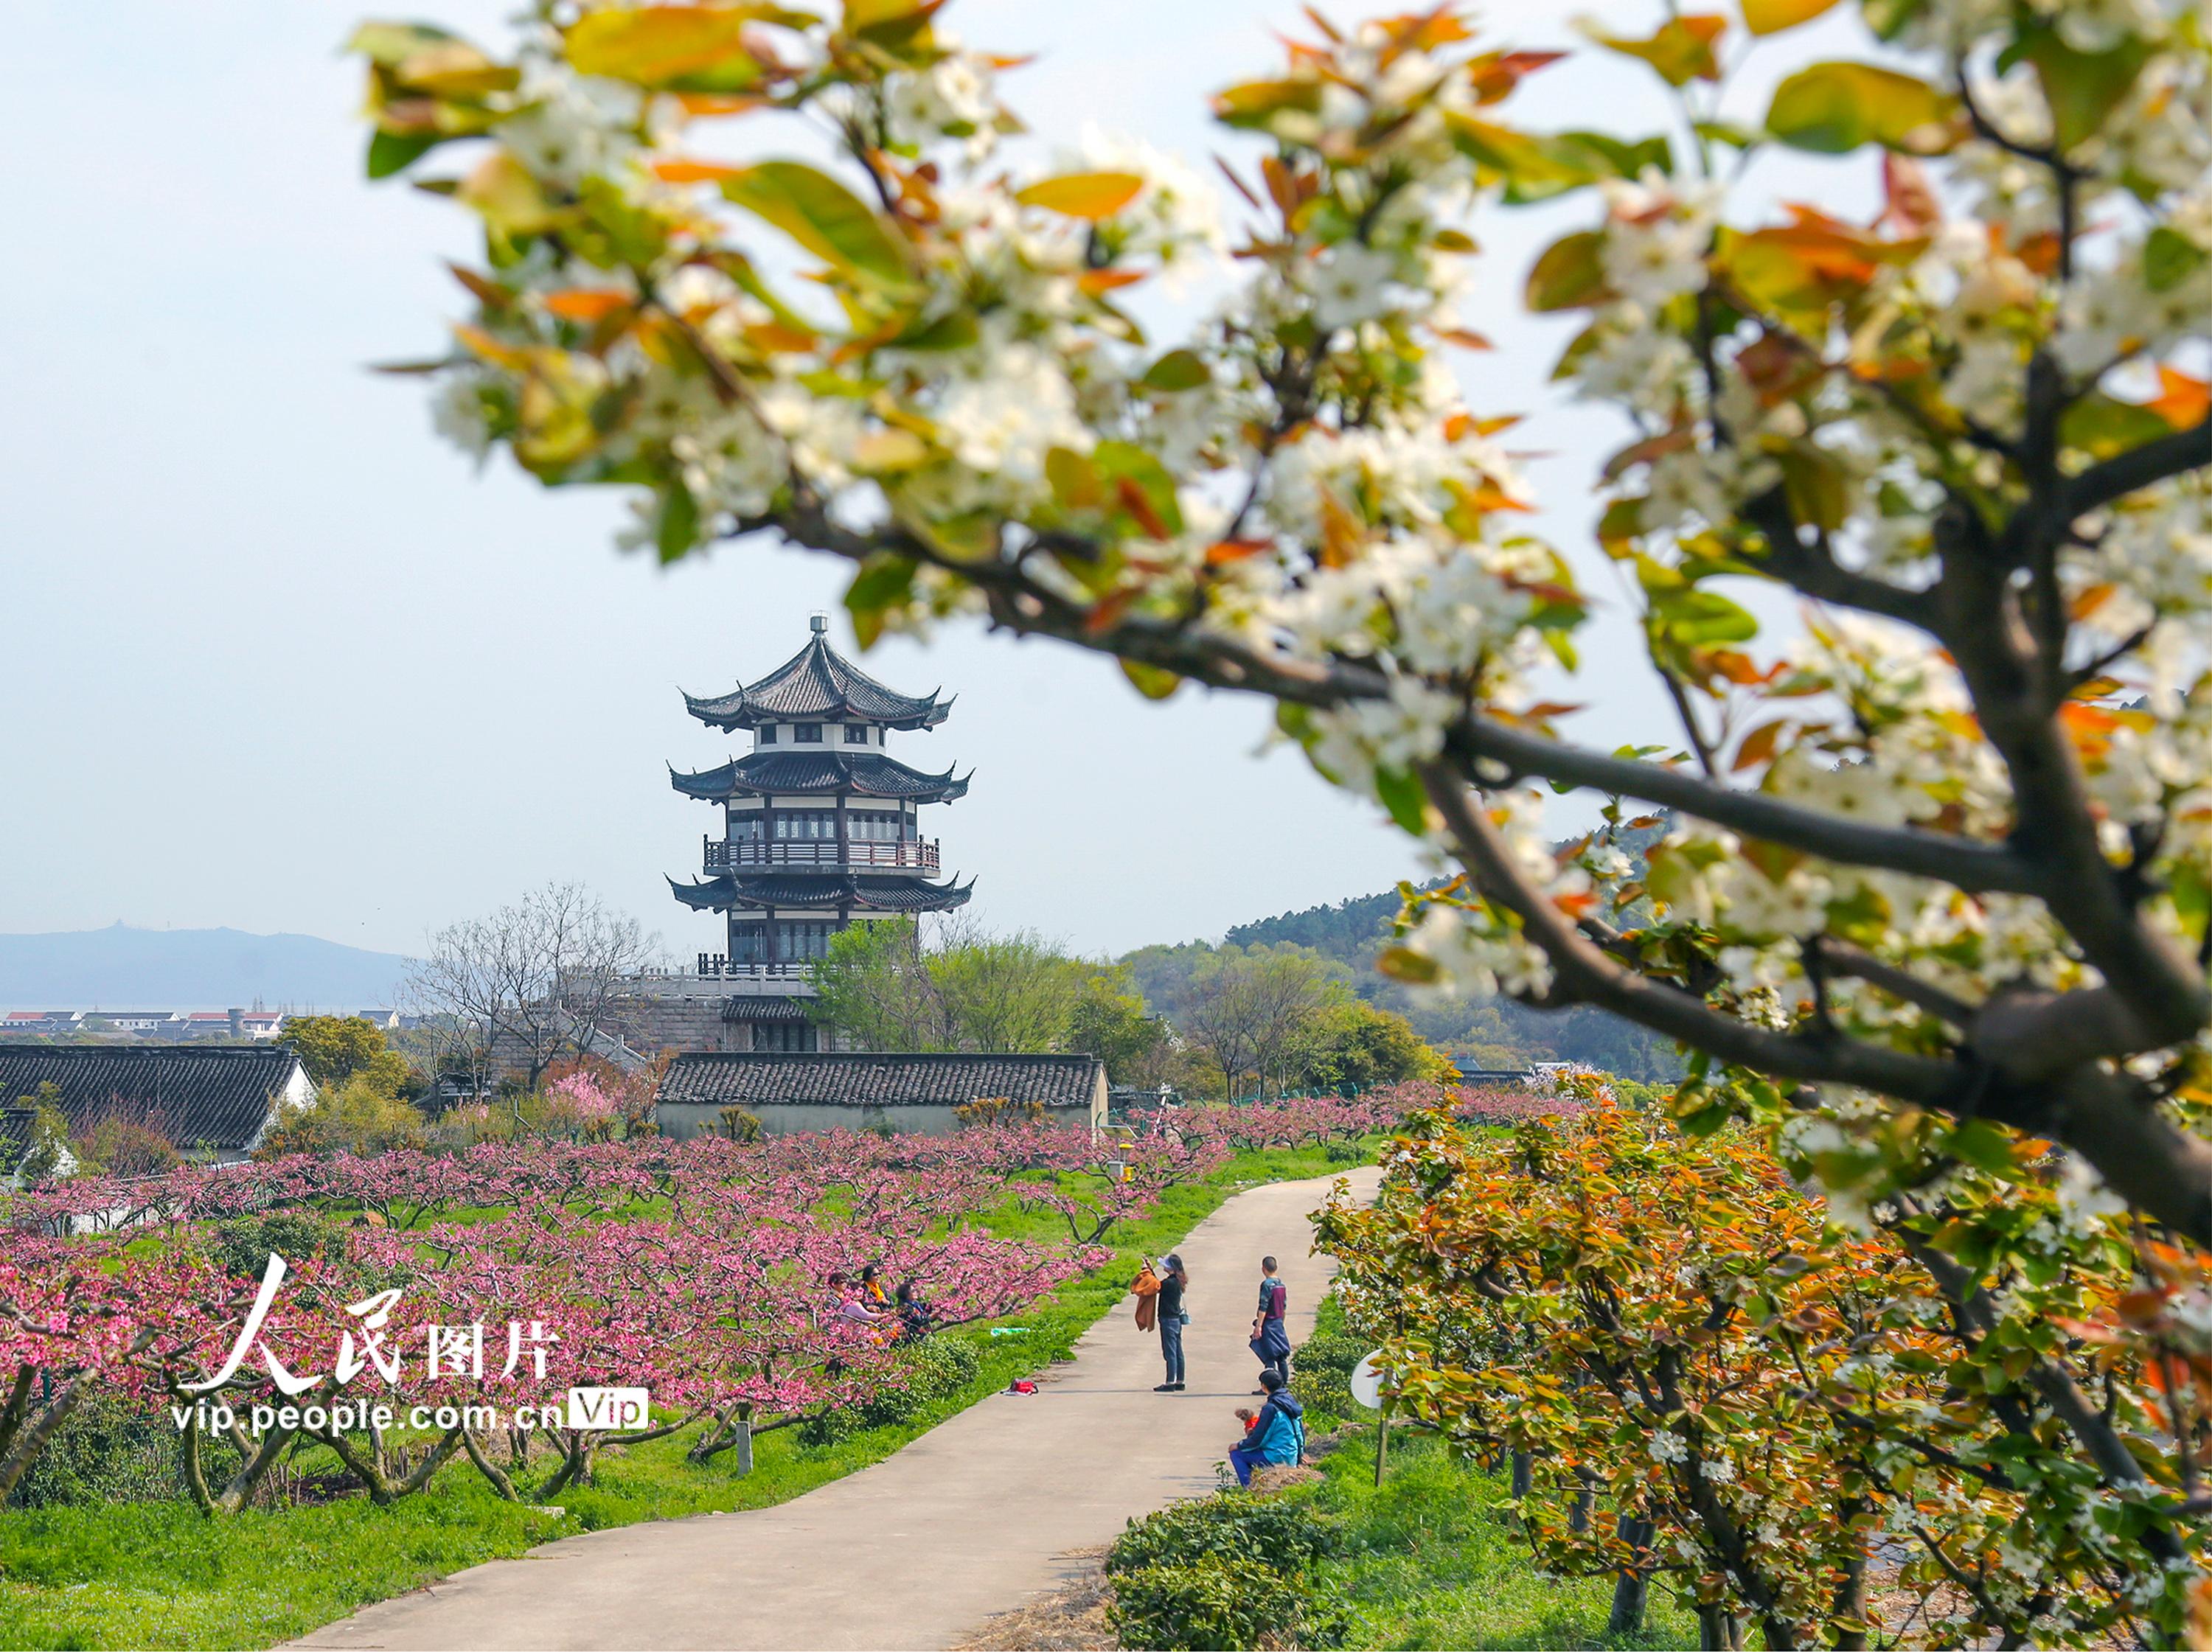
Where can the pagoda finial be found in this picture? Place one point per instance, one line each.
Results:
(820, 620)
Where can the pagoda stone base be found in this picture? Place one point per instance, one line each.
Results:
(686, 1013)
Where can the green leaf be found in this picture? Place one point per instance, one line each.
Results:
(390, 44)
(2192, 897)
(1833, 108)
(954, 331)
(1153, 682)
(1773, 16)
(1984, 1146)
(391, 152)
(2082, 87)
(676, 528)
(885, 582)
(1401, 794)
(899, 27)
(2170, 258)
(1571, 274)
(668, 48)
(1704, 1121)
(1725, 131)
(1121, 461)
(1403, 963)
(508, 196)
(1075, 480)
(1681, 50)
(1254, 103)
(1695, 618)
(1817, 488)
(1535, 169)
(1177, 370)
(2103, 427)
(1602, 153)
(822, 217)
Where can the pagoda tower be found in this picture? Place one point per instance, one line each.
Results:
(820, 825)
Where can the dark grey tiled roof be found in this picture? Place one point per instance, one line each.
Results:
(862, 1081)
(813, 892)
(194, 1094)
(15, 1124)
(824, 773)
(817, 681)
(765, 1008)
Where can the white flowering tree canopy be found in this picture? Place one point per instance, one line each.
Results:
(1940, 859)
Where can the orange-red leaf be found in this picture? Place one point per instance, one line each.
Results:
(584, 304)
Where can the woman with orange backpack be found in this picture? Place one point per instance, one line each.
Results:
(1168, 1310)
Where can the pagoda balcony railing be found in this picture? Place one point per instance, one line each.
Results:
(714, 966)
(918, 855)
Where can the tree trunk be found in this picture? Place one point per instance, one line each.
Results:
(1524, 1475)
(31, 1439)
(1631, 1588)
(1851, 1603)
(491, 1471)
(252, 1471)
(1719, 1629)
(18, 1407)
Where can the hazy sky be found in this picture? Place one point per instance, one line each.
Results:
(280, 660)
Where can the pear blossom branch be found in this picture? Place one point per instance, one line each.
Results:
(2145, 466)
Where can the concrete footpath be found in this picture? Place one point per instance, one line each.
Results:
(973, 1518)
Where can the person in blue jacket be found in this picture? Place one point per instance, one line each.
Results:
(1271, 1330)
(1277, 1434)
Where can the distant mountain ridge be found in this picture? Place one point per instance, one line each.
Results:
(123, 969)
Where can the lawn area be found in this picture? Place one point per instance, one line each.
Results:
(1432, 1558)
(1434, 1561)
(160, 1575)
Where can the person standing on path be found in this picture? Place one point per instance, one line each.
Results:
(1174, 1281)
(1271, 1332)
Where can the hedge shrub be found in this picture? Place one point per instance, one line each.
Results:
(1282, 1535)
(935, 1368)
(1320, 1373)
(1215, 1604)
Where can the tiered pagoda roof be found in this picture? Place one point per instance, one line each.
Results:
(798, 892)
(825, 773)
(816, 872)
(817, 683)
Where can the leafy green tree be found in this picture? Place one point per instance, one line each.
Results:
(1110, 1021)
(356, 1115)
(1252, 1009)
(1008, 992)
(46, 1148)
(874, 988)
(1355, 1044)
(885, 989)
(336, 1049)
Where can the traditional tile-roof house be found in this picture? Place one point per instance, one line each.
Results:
(211, 1102)
(917, 1093)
